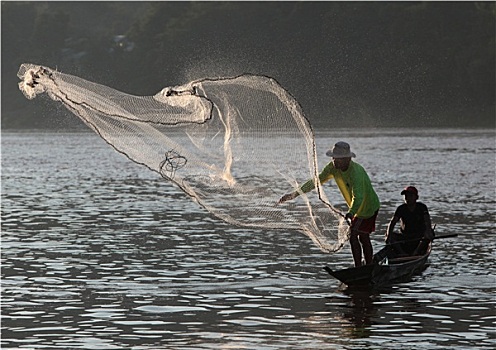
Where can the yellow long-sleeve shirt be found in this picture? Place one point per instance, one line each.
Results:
(355, 186)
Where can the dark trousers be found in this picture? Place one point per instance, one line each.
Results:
(407, 244)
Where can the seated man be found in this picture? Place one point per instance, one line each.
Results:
(416, 228)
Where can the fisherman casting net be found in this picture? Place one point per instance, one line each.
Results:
(235, 145)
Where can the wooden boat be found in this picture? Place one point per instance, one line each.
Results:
(387, 268)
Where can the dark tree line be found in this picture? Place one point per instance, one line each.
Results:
(347, 63)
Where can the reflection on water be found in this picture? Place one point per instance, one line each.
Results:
(98, 253)
(357, 312)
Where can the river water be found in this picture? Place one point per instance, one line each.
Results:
(100, 253)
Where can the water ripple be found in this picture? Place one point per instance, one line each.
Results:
(104, 255)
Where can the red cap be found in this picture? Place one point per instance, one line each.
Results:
(410, 189)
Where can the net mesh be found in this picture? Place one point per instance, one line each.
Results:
(234, 145)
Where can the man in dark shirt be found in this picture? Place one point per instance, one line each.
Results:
(416, 226)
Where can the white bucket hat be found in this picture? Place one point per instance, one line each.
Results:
(340, 150)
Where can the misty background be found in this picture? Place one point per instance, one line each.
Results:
(349, 64)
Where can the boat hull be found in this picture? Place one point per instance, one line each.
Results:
(385, 270)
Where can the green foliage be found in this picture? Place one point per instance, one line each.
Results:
(346, 62)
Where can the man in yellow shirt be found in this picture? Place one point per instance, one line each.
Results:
(356, 188)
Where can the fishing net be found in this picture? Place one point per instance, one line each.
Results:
(234, 145)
